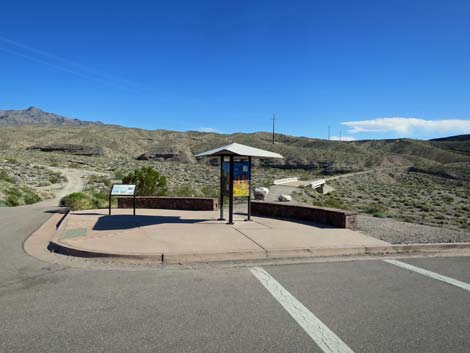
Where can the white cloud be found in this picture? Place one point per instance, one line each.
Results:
(206, 129)
(342, 138)
(408, 125)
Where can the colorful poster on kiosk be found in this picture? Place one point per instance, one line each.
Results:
(241, 179)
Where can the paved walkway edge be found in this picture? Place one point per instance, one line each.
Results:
(461, 248)
(47, 237)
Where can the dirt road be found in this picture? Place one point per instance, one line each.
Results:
(74, 183)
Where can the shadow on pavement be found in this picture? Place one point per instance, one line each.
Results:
(128, 221)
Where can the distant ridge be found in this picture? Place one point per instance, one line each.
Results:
(454, 138)
(36, 116)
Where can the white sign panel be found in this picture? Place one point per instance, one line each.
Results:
(123, 189)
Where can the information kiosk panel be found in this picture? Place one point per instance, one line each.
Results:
(122, 190)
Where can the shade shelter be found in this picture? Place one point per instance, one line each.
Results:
(235, 172)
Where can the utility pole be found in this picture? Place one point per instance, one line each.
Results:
(274, 119)
(340, 135)
(329, 128)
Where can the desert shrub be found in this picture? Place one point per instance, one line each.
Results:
(148, 181)
(16, 196)
(98, 183)
(334, 203)
(448, 199)
(55, 178)
(85, 200)
(54, 162)
(209, 191)
(183, 191)
(12, 201)
(425, 207)
(11, 160)
(376, 210)
(5, 177)
(99, 179)
(119, 174)
(30, 197)
(331, 203)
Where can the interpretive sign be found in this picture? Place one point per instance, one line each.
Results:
(123, 190)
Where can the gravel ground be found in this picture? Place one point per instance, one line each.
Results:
(397, 232)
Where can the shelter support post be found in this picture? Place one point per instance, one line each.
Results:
(248, 218)
(230, 200)
(221, 197)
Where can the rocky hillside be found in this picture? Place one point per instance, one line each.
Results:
(36, 116)
(51, 134)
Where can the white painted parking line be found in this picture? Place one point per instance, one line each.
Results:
(317, 330)
(431, 274)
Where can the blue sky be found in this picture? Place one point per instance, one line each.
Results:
(372, 69)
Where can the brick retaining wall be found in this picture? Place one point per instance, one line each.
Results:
(170, 203)
(327, 216)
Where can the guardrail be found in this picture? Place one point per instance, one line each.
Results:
(317, 183)
(284, 181)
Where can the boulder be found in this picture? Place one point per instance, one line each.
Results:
(261, 193)
(285, 198)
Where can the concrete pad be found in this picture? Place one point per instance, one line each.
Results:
(189, 236)
(309, 237)
(157, 232)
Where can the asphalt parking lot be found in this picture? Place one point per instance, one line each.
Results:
(347, 306)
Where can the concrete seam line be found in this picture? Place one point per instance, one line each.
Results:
(431, 274)
(246, 236)
(317, 330)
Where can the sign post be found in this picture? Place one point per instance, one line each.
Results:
(248, 218)
(230, 193)
(122, 190)
(235, 176)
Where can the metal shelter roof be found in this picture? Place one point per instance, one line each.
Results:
(237, 149)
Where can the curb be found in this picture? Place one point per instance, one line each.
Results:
(416, 248)
(57, 247)
(398, 249)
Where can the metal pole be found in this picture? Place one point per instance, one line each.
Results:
(230, 200)
(249, 190)
(109, 206)
(134, 203)
(221, 196)
(274, 118)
